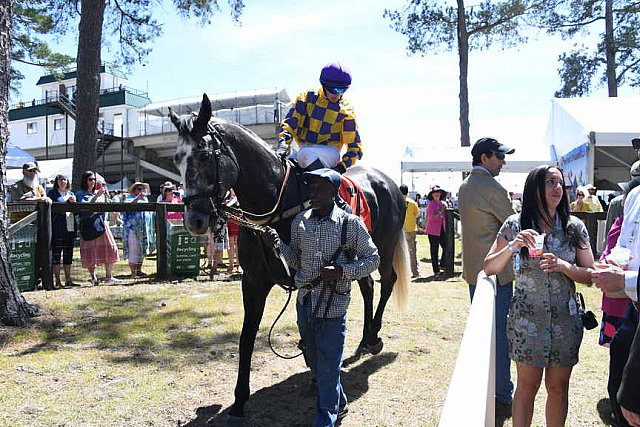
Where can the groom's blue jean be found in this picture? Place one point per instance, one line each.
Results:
(323, 343)
(504, 385)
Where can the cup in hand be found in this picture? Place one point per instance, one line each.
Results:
(616, 295)
(538, 248)
(621, 256)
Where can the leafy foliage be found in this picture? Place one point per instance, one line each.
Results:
(32, 20)
(430, 26)
(583, 17)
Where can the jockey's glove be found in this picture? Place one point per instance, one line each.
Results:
(339, 168)
(283, 148)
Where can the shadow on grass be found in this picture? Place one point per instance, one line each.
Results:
(288, 403)
(140, 329)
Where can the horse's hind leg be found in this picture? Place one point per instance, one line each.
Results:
(254, 296)
(366, 289)
(387, 279)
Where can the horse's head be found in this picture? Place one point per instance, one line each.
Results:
(207, 166)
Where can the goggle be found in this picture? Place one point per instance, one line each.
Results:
(335, 90)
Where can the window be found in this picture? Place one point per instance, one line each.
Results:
(32, 127)
(58, 124)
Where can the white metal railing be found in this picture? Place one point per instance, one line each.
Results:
(471, 396)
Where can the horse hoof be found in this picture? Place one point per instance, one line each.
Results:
(233, 421)
(376, 348)
(362, 350)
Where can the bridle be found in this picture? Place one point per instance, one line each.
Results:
(210, 146)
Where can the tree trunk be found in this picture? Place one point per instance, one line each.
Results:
(88, 88)
(610, 48)
(463, 55)
(14, 310)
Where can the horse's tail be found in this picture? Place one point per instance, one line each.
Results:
(403, 271)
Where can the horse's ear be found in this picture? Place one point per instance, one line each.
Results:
(175, 119)
(200, 125)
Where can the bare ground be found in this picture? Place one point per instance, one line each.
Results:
(166, 355)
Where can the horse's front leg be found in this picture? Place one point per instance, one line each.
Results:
(366, 289)
(388, 278)
(254, 296)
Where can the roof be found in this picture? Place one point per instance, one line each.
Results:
(50, 78)
(458, 159)
(603, 114)
(221, 101)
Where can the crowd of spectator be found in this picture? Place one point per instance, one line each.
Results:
(97, 232)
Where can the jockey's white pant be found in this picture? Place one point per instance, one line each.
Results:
(309, 153)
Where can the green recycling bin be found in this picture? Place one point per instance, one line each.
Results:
(22, 246)
(183, 250)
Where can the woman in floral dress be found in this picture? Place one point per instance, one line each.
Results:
(544, 326)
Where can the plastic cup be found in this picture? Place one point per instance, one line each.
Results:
(621, 255)
(538, 249)
(616, 295)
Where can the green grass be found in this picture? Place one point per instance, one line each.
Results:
(166, 354)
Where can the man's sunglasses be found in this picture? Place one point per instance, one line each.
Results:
(335, 90)
(499, 155)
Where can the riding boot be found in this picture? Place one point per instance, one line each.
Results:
(317, 164)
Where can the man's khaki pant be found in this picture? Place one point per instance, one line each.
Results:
(413, 256)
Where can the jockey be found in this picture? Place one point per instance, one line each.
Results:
(322, 122)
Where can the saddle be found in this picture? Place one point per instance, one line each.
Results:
(354, 196)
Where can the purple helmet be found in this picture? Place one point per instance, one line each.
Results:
(335, 75)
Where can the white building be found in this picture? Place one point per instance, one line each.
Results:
(136, 138)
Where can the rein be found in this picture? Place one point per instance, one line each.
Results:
(213, 144)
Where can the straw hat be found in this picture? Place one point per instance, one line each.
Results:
(138, 183)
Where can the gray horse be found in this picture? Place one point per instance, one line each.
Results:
(213, 156)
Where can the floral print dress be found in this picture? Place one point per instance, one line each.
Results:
(544, 328)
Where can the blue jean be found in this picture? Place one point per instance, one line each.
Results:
(323, 343)
(504, 385)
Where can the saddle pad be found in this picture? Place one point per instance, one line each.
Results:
(353, 195)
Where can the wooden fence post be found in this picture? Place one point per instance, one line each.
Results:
(43, 259)
(161, 240)
(449, 244)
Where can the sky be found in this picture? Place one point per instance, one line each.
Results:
(400, 100)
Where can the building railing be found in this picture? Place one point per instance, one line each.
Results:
(470, 399)
(53, 96)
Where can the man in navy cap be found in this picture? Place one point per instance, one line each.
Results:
(484, 206)
(324, 273)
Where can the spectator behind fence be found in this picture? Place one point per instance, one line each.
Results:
(160, 197)
(544, 326)
(435, 228)
(171, 196)
(217, 241)
(28, 188)
(615, 206)
(103, 249)
(63, 231)
(233, 229)
(138, 230)
(579, 205)
(484, 205)
(411, 215)
(591, 200)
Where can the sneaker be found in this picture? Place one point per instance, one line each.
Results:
(112, 281)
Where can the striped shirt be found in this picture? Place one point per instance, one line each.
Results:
(314, 240)
(314, 120)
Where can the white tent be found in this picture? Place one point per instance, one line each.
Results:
(16, 157)
(444, 166)
(48, 171)
(591, 137)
